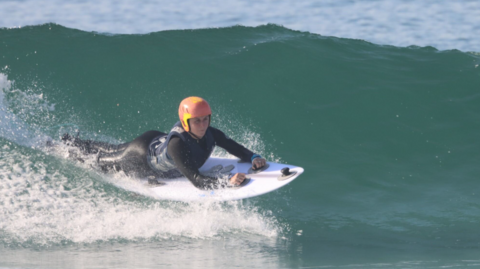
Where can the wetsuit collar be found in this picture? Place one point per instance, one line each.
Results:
(194, 136)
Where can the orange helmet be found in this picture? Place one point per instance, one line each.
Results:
(192, 107)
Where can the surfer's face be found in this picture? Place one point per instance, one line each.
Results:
(199, 125)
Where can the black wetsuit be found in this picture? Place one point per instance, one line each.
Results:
(129, 157)
(132, 158)
(188, 164)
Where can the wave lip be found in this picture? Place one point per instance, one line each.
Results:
(400, 23)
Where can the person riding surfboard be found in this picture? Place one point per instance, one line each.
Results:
(181, 152)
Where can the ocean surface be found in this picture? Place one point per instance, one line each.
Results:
(442, 24)
(387, 132)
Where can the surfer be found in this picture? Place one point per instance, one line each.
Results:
(181, 152)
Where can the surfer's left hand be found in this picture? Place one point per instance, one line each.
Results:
(258, 163)
(237, 179)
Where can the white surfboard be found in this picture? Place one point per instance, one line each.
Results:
(257, 182)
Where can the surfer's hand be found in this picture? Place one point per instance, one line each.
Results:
(258, 163)
(237, 179)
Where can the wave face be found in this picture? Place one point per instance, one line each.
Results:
(388, 137)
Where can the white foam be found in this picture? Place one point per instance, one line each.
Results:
(10, 126)
(15, 107)
(4, 82)
(44, 202)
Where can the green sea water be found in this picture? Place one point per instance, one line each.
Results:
(388, 138)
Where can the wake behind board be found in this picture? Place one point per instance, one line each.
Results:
(260, 182)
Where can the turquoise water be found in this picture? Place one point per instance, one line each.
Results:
(388, 137)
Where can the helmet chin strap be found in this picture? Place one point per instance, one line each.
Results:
(194, 136)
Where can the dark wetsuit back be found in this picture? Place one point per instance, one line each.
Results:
(129, 157)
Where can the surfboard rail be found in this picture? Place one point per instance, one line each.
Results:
(258, 183)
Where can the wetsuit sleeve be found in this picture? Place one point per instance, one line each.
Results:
(231, 146)
(180, 153)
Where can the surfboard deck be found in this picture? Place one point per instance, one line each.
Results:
(262, 182)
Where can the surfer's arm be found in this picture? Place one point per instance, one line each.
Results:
(233, 147)
(180, 153)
